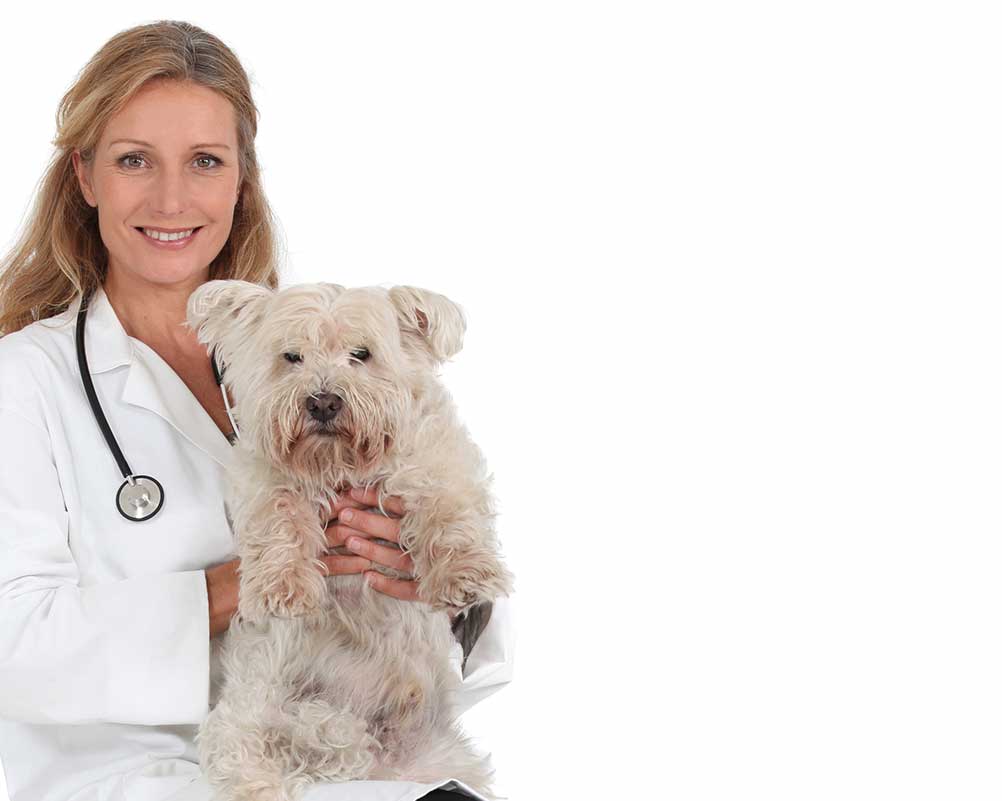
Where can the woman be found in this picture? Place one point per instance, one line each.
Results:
(109, 626)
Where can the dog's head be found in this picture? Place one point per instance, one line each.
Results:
(321, 373)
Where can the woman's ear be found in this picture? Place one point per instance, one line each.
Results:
(431, 319)
(82, 170)
(226, 311)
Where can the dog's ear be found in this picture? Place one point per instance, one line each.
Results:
(222, 312)
(432, 319)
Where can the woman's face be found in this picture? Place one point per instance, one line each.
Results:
(165, 162)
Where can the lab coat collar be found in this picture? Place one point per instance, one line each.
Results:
(108, 346)
(151, 382)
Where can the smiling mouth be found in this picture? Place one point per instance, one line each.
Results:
(172, 235)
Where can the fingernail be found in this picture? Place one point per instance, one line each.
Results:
(356, 492)
(370, 578)
(354, 543)
(347, 514)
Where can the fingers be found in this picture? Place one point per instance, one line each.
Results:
(382, 554)
(340, 565)
(366, 523)
(403, 589)
(345, 502)
(370, 497)
(359, 515)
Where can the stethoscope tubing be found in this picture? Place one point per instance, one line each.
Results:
(137, 493)
(95, 404)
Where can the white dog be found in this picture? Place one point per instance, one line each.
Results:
(325, 678)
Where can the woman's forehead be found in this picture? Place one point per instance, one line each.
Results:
(168, 114)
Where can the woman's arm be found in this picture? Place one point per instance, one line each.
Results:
(134, 650)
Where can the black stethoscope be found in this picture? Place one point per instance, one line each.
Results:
(139, 497)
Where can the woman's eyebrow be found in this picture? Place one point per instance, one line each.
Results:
(147, 144)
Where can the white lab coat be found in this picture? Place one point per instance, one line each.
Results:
(105, 657)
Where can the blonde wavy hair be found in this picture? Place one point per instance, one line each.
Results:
(59, 252)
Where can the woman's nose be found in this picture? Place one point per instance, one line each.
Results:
(169, 192)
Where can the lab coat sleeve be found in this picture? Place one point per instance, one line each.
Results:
(128, 651)
(489, 666)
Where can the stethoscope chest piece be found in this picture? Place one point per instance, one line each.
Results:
(141, 498)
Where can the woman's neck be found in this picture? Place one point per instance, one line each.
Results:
(154, 314)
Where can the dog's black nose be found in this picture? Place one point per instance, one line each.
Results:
(324, 407)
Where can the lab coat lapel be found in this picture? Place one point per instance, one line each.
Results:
(151, 383)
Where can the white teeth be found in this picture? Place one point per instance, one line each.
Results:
(167, 237)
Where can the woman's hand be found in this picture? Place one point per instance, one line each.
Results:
(357, 520)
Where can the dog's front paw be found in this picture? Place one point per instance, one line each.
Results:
(463, 580)
(293, 593)
(299, 593)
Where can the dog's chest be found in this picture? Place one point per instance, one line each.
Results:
(346, 590)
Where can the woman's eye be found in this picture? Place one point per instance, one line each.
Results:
(124, 161)
(361, 354)
(216, 162)
(293, 357)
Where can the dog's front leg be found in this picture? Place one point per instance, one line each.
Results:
(455, 554)
(280, 543)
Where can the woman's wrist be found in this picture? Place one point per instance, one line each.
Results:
(222, 586)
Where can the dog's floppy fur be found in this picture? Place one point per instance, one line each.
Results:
(324, 677)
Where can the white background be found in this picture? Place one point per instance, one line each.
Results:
(732, 278)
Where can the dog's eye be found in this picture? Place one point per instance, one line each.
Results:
(361, 354)
(293, 357)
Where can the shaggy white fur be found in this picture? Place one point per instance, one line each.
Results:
(325, 678)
